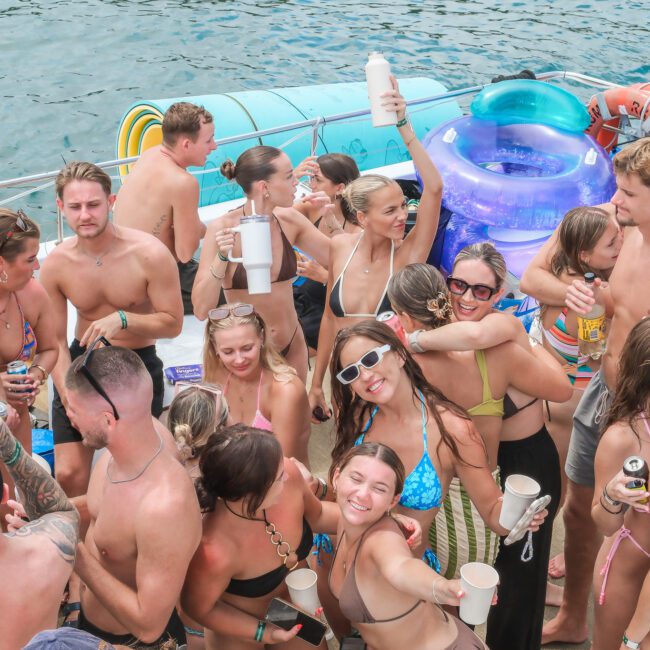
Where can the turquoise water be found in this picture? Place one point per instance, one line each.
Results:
(70, 69)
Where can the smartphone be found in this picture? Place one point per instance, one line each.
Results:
(352, 643)
(319, 414)
(285, 615)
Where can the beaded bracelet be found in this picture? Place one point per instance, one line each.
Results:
(259, 634)
(403, 122)
(14, 457)
(122, 316)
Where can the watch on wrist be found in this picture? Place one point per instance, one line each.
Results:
(630, 644)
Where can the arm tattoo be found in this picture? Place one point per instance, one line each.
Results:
(60, 528)
(41, 493)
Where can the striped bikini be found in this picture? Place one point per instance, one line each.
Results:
(576, 367)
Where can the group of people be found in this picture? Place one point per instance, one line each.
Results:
(183, 530)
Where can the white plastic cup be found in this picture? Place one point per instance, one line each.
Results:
(257, 255)
(303, 590)
(378, 79)
(478, 582)
(520, 491)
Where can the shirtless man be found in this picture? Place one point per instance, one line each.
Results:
(133, 561)
(628, 301)
(161, 197)
(124, 286)
(36, 560)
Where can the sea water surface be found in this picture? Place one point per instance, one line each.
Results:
(70, 69)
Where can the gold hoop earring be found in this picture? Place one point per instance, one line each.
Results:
(4, 277)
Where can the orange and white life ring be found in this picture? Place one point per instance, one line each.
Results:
(631, 100)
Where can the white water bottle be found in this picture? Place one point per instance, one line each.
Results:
(377, 76)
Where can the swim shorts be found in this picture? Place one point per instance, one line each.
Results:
(588, 419)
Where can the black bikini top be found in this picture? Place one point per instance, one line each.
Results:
(268, 582)
(510, 409)
(288, 266)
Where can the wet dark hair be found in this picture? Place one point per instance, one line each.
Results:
(632, 395)
(374, 450)
(353, 412)
(339, 168)
(255, 164)
(238, 463)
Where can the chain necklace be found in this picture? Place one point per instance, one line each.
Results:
(142, 471)
(2, 313)
(282, 547)
(98, 258)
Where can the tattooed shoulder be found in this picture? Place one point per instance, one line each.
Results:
(60, 528)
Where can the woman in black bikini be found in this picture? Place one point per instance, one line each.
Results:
(266, 176)
(365, 262)
(247, 488)
(392, 598)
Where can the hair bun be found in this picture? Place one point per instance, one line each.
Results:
(228, 169)
(440, 306)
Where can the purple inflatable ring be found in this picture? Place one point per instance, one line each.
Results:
(523, 176)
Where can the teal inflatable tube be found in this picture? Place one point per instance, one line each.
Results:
(247, 111)
(525, 101)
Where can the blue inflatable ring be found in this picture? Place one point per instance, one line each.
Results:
(518, 175)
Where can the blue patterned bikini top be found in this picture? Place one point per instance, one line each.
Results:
(422, 489)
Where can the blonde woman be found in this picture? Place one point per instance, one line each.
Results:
(262, 390)
(361, 265)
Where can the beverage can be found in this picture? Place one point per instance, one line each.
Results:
(391, 319)
(18, 368)
(636, 468)
(3, 411)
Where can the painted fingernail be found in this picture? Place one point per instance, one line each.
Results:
(299, 626)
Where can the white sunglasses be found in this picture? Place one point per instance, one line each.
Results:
(369, 360)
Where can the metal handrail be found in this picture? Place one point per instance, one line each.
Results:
(317, 122)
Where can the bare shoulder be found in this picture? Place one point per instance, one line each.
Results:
(56, 533)
(226, 220)
(144, 245)
(461, 429)
(292, 389)
(33, 294)
(619, 441)
(61, 253)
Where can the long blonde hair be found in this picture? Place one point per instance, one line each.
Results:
(270, 358)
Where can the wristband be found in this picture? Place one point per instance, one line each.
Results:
(122, 316)
(323, 485)
(221, 257)
(630, 644)
(403, 122)
(413, 341)
(259, 634)
(606, 509)
(14, 457)
(612, 502)
(192, 632)
(433, 588)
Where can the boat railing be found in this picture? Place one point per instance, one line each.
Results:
(309, 126)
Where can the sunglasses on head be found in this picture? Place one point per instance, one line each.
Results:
(479, 291)
(83, 369)
(20, 225)
(369, 360)
(223, 312)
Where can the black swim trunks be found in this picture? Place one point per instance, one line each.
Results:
(174, 632)
(187, 273)
(61, 425)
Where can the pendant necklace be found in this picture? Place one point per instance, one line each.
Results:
(142, 471)
(2, 313)
(98, 258)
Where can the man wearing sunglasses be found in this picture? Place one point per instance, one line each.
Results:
(124, 285)
(628, 301)
(161, 197)
(133, 560)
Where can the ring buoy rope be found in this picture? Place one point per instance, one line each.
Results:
(608, 107)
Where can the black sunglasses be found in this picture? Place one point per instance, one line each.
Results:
(480, 291)
(19, 225)
(83, 369)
